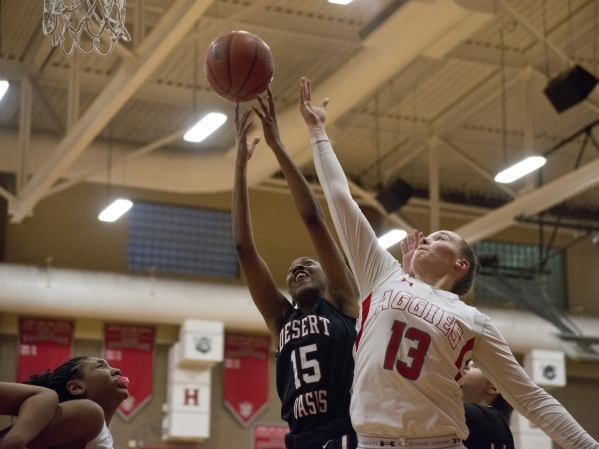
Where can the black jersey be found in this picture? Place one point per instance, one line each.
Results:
(315, 369)
(488, 428)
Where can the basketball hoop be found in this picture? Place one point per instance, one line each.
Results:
(81, 24)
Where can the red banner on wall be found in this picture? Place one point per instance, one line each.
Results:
(246, 375)
(131, 349)
(269, 437)
(44, 344)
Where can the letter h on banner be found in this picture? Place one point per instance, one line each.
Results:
(187, 408)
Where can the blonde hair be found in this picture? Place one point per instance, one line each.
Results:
(463, 285)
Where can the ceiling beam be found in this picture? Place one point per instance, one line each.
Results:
(164, 37)
(474, 165)
(543, 198)
(94, 83)
(129, 156)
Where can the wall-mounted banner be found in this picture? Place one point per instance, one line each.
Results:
(269, 437)
(246, 375)
(44, 344)
(131, 349)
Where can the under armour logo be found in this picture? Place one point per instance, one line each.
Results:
(387, 443)
(405, 280)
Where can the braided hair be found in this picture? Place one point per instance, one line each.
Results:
(57, 380)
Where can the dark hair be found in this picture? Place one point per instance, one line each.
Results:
(503, 407)
(464, 285)
(57, 380)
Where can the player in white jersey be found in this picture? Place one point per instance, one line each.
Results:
(415, 333)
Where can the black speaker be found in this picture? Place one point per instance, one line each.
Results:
(570, 88)
(395, 195)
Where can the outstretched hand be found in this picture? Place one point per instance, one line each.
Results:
(313, 116)
(268, 117)
(409, 245)
(242, 125)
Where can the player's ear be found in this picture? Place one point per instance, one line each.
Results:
(491, 389)
(462, 264)
(76, 387)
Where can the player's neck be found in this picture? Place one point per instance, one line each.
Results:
(306, 304)
(443, 282)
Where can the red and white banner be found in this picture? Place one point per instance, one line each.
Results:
(269, 437)
(131, 349)
(44, 344)
(246, 375)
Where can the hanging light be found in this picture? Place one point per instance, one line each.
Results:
(340, 2)
(520, 169)
(3, 88)
(392, 237)
(115, 210)
(205, 127)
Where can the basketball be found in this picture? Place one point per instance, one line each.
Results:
(239, 66)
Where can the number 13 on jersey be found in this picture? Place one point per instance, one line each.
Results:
(416, 353)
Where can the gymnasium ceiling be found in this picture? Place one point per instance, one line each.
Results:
(443, 94)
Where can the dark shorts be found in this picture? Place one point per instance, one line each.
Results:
(349, 441)
(335, 434)
(346, 442)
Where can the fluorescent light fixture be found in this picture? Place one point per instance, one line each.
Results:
(520, 169)
(115, 210)
(205, 127)
(340, 2)
(3, 88)
(392, 237)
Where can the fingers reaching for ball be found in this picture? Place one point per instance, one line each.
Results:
(268, 116)
(242, 126)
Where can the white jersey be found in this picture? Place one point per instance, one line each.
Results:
(102, 441)
(413, 340)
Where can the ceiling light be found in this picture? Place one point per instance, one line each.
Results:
(340, 2)
(520, 169)
(392, 237)
(115, 210)
(205, 127)
(3, 88)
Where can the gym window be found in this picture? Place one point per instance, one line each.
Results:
(514, 274)
(182, 240)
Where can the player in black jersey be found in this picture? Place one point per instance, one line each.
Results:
(314, 358)
(487, 412)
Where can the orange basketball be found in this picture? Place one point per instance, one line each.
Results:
(239, 66)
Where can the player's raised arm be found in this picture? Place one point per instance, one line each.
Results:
(270, 302)
(341, 288)
(367, 259)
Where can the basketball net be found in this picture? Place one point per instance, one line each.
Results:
(83, 24)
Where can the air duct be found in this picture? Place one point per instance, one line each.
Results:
(30, 290)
